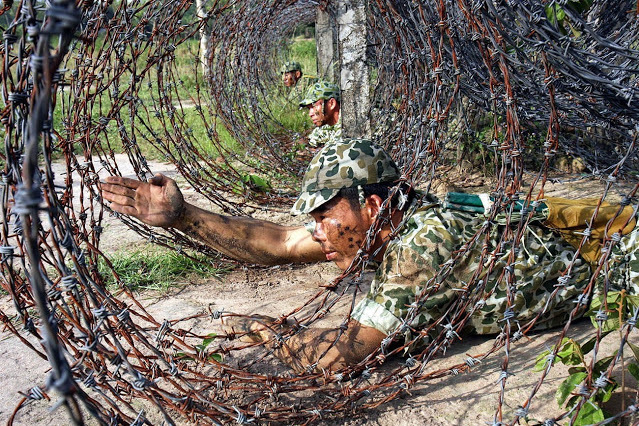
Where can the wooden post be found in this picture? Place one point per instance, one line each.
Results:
(326, 40)
(354, 79)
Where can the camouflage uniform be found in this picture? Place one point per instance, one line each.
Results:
(430, 237)
(624, 264)
(296, 94)
(325, 134)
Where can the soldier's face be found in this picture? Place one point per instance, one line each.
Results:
(290, 78)
(341, 230)
(316, 113)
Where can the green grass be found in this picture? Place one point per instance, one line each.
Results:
(290, 117)
(304, 51)
(154, 268)
(182, 78)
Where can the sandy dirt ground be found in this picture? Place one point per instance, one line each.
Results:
(465, 399)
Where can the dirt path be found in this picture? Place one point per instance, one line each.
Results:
(467, 399)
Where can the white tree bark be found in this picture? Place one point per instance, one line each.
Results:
(354, 78)
(204, 40)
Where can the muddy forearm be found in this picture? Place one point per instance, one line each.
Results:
(307, 348)
(242, 238)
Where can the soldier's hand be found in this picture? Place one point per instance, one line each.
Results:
(157, 202)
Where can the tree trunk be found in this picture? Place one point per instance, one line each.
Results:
(325, 37)
(204, 40)
(354, 79)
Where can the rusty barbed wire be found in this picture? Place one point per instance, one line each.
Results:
(442, 68)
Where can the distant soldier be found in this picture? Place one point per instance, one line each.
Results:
(323, 102)
(296, 81)
(291, 73)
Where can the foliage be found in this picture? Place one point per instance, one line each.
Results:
(201, 351)
(620, 302)
(557, 15)
(151, 268)
(255, 183)
(304, 51)
(474, 138)
(573, 354)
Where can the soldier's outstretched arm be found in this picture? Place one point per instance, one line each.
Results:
(159, 202)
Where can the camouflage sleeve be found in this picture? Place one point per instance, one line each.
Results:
(406, 270)
(372, 314)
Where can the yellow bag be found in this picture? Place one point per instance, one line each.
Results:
(570, 218)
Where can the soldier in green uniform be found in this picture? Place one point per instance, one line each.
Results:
(291, 73)
(323, 102)
(296, 81)
(343, 191)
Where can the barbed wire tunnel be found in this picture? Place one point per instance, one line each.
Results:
(84, 82)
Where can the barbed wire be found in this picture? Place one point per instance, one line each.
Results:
(84, 84)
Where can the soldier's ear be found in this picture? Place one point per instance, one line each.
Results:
(331, 103)
(373, 205)
(298, 74)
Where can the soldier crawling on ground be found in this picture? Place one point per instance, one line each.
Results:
(343, 191)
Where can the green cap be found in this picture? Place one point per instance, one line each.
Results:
(345, 164)
(290, 66)
(320, 90)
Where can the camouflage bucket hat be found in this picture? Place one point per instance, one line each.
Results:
(290, 67)
(346, 164)
(320, 90)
